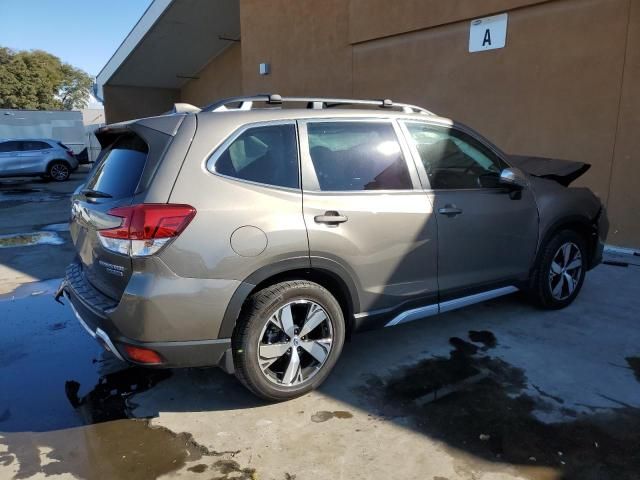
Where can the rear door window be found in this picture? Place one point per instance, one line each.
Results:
(356, 156)
(263, 154)
(119, 171)
(34, 145)
(9, 147)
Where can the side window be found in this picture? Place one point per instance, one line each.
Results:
(9, 146)
(355, 156)
(267, 154)
(34, 145)
(454, 160)
(5, 147)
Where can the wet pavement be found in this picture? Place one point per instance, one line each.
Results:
(33, 215)
(496, 391)
(557, 398)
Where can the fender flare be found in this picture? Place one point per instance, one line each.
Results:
(318, 264)
(555, 227)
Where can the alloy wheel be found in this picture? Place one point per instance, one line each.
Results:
(59, 172)
(565, 271)
(295, 343)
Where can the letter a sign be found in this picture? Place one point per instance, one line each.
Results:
(488, 33)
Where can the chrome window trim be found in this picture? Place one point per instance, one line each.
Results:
(210, 161)
(309, 179)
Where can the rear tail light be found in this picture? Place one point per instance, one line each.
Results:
(145, 228)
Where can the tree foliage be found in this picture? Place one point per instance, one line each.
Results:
(38, 80)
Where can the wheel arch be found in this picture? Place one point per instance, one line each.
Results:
(57, 160)
(577, 223)
(326, 273)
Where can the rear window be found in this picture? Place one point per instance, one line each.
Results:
(118, 174)
(266, 154)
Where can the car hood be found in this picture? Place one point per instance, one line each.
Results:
(562, 171)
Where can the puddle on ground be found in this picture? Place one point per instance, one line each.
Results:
(56, 227)
(493, 419)
(485, 337)
(68, 413)
(323, 415)
(116, 449)
(32, 289)
(30, 239)
(19, 196)
(111, 445)
(108, 400)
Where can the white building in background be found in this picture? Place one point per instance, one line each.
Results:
(73, 128)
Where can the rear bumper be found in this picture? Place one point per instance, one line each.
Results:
(94, 312)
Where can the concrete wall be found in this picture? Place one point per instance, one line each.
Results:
(124, 102)
(220, 78)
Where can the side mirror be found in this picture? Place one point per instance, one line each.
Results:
(514, 178)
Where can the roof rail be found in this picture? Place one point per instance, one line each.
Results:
(315, 103)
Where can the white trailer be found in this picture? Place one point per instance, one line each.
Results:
(64, 126)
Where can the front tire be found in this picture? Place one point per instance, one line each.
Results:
(561, 270)
(59, 171)
(288, 339)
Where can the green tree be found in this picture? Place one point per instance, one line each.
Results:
(40, 81)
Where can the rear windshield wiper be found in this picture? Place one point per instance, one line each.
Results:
(87, 192)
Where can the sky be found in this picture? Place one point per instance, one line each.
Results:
(84, 33)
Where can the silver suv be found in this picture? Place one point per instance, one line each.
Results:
(257, 237)
(44, 157)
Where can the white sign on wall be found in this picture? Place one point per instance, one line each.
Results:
(488, 33)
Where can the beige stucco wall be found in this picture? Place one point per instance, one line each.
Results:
(371, 19)
(541, 95)
(305, 41)
(624, 197)
(220, 78)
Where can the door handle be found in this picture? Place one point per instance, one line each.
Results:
(330, 217)
(450, 210)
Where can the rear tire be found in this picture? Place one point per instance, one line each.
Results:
(560, 272)
(59, 171)
(288, 339)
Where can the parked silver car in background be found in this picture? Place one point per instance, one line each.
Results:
(42, 157)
